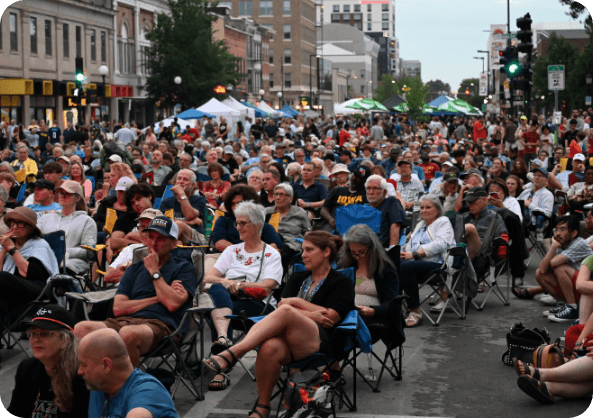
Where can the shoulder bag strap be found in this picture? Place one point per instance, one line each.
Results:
(261, 265)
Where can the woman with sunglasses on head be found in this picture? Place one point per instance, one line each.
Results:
(425, 252)
(242, 267)
(26, 260)
(48, 384)
(377, 283)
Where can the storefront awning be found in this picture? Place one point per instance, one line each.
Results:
(16, 86)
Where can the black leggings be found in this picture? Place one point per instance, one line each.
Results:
(16, 291)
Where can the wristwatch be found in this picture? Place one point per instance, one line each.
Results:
(416, 255)
(156, 276)
(11, 251)
(184, 197)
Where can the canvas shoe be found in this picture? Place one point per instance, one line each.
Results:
(554, 311)
(548, 300)
(439, 307)
(568, 314)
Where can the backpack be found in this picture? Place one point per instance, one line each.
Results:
(111, 147)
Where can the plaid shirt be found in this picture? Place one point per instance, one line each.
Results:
(411, 191)
(576, 252)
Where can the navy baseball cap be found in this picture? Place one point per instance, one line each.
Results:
(164, 226)
(50, 317)
(541, 170)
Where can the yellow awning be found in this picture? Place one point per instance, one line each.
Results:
(16, 86)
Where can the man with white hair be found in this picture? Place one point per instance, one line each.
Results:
(393, 216)
(125, 135)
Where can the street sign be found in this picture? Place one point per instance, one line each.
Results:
(518, 98)
(556, 77)
(557, 118)
(588, 101)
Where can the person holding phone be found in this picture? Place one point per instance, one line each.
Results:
(498, 196)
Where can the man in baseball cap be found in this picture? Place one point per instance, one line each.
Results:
(153, 293)
(44, 198)
(355, 193)
(114, 158)
(563, 180)
(123, 183)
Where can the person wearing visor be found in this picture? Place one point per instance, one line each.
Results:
(49, 380)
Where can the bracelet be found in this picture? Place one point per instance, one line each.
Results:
(308, 204)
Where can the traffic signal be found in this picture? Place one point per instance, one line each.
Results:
(79, 72)
(525, 35)
(510, 62)
(467, 92)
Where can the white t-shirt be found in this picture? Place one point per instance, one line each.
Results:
(236, 262)
(126, 255)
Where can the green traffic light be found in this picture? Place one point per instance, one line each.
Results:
(513, 68)
(80, 77)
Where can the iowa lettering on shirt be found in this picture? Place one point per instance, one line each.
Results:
(349, 200)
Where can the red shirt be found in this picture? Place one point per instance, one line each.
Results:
(479, 131)
(344, 137)
(531, 142)
(429, 170)
(193, 133)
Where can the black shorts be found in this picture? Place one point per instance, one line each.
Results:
(325, 341)
(495, 141)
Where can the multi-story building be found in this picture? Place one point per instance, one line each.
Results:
(41, 42)
(250, 43)
(411, 68)
(376, 18)
(292, 58)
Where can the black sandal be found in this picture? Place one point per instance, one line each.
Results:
(220, 384)
(522, 293)
(266, 407)
(218, 346)
(535, 388)
(527, 372)
(214, 366)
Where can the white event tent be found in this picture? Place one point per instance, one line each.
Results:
(218, 109)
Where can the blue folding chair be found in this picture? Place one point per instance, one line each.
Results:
(346, 216)
(57, 242)
(21, 196)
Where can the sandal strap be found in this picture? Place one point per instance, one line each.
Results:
(266, 407)
(234, 358)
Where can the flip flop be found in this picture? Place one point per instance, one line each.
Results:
(527, 371)
(535, 388)
(220, 384)
(415, 318)
(522, 293)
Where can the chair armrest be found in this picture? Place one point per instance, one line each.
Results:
(96, 248)
(93, 297)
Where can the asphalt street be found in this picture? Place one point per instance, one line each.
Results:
(453, 370)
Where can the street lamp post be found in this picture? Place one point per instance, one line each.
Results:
(589, 80)
(311, 80)
(280, 99)
(262, 92)
(177, 81)
(104, 70)
(488, 72)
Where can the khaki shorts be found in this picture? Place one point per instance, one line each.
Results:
(159, 329)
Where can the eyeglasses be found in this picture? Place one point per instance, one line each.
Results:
(41, 334)
(561, 230)
(374, 189)
(19, 224)
(65, 194)
(241, 224)
(277, 195)
(356, 255)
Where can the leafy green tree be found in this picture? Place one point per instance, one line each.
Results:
(576, 10)
(182, 45)
(438, 85)
(388, 88)
(416, 98)
(560, 52)
(472, 86)
(576, 82)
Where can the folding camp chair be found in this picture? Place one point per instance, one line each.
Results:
(452, 277)
(535, 238)
(349, 215)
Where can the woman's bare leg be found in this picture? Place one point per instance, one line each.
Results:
(570, 390)
(575, 371)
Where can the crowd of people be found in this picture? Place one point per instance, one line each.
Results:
(273, 190)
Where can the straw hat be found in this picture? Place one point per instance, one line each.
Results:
(24, 214)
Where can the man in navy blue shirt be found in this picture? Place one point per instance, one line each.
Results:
(311, 194)
(271, 129)
(54, 134)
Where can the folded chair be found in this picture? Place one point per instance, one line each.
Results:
(452, 275)
(346, 216)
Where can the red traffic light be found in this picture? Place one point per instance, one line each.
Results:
(467, 92)
(501, 53)
(220, 89)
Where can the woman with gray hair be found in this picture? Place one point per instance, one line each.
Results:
(241, 268)
(290, 221)
(377, 282)
(425, 252)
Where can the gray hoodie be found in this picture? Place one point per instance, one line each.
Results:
(80, 230)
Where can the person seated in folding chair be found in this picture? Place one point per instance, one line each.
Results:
(311, 193)
(26, 261)
(447, 191)
(80, 228)
(377, 282)
(581, 193)
(393, 216)
(118, 389)
(471, 178)
(152, 296)
(189, 210)
(558, 272)
(538, 199)
(247, 266)
(313, 303)
(425, 252)
(411, 188)
(353, 194)
(118, 267)
(49, 380)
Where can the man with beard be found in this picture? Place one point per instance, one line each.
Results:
(156, 171)
(354, 194)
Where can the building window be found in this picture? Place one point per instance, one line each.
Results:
(385, 7)
(369, 26)
(48, 48)
(144, 60)
(385, 16)
(286, 7)
(357, 7)
(271, 55)
(336, 18)
(362, 89)
(369, 17)
(228, 4)
(346, 8)
(358, 25)
(362, 73)
(266, 8)
(336, 8)
(288, 80)
(287, 34)
(245, 8)
(271, 80)
(357, 17)
(385, 26)
(14, 37)
(369, 7)
(66, 40)
(126, 52)
(78, 41)
(346, 17)
(33, 30)
(93, 45)
(103, 46)
(287, 56)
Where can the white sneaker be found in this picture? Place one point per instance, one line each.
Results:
(439, 307)
(548, 300)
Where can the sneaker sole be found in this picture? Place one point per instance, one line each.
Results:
(554, 318)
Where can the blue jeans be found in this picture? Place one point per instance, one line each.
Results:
(411, 271)
(223, 299)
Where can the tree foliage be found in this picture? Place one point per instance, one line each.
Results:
(575, 11)
(387, 88)
(473, 98)
(438, 85)
(416, 98)
(560, 52)
(182, 45)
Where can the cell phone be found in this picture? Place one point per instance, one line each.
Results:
(494, 195)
